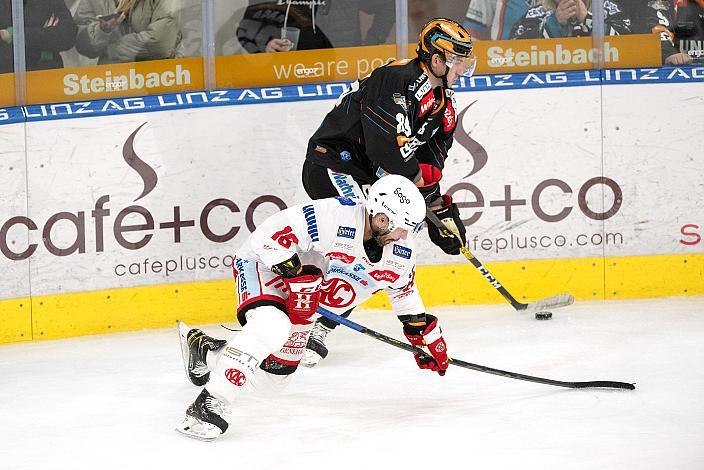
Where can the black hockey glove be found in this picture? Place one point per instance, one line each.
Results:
(448, 214)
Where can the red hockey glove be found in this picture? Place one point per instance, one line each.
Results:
(429, 335)
(303, 294)
(431, 183)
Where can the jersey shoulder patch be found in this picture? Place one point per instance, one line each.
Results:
(346, 201)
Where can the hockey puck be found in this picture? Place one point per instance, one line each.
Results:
(543, 315)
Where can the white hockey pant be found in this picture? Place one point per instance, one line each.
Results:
(236, 366)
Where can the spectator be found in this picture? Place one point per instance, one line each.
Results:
(313, 24)
(275, 26)
(620, 17)
(658, 17)
(574, 18)
(135, 30)
(341, 22)
(689, 28)
(494, 19)
(49, 29)
(6, 55)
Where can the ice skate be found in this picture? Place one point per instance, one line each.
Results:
(204, 418)
(194, 347)
(316, 350)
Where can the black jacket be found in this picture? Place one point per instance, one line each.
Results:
(388, 122)
(263, 21)
(689, 29)
(42, 44)
(6, 57)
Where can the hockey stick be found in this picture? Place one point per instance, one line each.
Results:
(468, 365)
(555, 301)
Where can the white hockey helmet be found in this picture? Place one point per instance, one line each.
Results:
(401, 201)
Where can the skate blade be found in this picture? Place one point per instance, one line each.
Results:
(310, 359)
(183, 330)
(195, 429)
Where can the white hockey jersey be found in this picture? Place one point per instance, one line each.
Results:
(329, 234)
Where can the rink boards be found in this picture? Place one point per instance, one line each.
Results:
(124, 214)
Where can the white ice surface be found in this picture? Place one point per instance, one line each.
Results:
(112, 401)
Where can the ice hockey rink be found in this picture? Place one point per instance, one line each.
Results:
(112, 401)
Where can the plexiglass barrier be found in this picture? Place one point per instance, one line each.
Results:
(79, 49)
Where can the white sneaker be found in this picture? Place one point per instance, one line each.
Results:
(316, 350)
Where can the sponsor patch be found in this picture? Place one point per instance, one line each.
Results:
(345, 156)
(400, 100)
(344, 257)
(345, 201)
(346, 232)
(426, 104)
(343, 185)
(402, 251)
(343, 246)
(384, 275)
(309, 214)
(340, 270)
(320, 149)
(423, 90)
(235, 377)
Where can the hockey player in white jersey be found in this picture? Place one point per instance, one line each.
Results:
(355, 249)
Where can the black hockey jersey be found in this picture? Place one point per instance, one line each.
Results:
(388, 122)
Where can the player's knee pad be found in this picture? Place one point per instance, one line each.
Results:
(265, 332)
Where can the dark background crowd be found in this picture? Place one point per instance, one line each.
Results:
(74, 33)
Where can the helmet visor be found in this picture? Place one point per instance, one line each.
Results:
(412, 228)
(464, 64)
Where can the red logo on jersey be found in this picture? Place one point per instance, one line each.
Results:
(285, 237)
(409, 286)
(337, 293)
(235, 377)
(345, 258)
(384, 275)
(448, 118)
(426, 104)
(297, 340)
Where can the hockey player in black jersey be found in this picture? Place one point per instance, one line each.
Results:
(398, 120)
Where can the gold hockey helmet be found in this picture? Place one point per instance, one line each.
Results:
(449, 39)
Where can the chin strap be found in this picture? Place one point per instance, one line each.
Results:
(443, 77)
